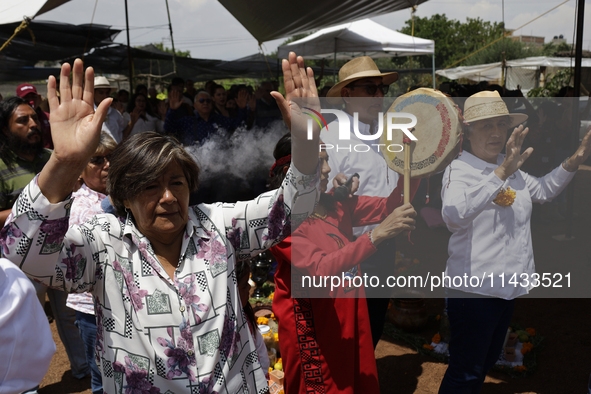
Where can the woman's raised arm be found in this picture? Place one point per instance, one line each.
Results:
(75, 130)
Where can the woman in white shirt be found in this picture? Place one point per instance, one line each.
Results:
(487, 203)
(142, 117)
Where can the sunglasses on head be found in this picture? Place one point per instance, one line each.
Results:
(372, 89)
(100, 160)
(204, 101)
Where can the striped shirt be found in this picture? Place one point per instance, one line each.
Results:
(13, 180)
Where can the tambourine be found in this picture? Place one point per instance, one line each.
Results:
(438, 131)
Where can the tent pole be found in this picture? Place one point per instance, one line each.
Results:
(570, 191)
(334, 69)
(171, 39)
(129, 58)
(433, 65)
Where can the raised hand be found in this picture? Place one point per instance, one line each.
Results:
(135, 115)
(75, 127)
(582, 152)
(175, 99)
(241, 99)
(75, 130)
(300, 85)
(514, 159)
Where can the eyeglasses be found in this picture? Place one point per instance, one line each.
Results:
(372, 89)
(204, 101)
(100, 160)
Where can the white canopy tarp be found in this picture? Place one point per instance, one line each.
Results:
(492, 71)
(364, 37)
(16, 10)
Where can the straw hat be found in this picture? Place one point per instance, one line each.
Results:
(102, 83)
(359, 68)
(486, 105)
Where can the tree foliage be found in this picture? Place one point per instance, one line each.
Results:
(455, 40)
(560, 79)
(179, 53)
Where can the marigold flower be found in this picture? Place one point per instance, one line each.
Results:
(270, 369)
(531, 331)
(438, 317)
(527, 347)
(429, 347)
(505, 198)
(262, 320)
(271, 296)
(520, 368)
(436, 338)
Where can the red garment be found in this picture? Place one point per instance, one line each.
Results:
(326, 344)
(45, 128)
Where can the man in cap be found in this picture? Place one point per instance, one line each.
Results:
(22, 156)
(114, 124)
(29, 93)
(361, 88)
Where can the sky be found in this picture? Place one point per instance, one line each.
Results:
(209, 31)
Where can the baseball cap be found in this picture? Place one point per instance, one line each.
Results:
(23, 89)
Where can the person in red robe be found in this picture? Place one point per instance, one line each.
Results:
(324, 335)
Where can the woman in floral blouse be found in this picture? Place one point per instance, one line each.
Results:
(169, 317)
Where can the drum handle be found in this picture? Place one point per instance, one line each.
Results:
(407, 160)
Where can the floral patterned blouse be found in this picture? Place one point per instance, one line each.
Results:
(86, 204)
(157, 334)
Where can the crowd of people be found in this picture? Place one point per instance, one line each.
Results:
(150, 292)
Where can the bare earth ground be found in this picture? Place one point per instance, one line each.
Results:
(564, 363)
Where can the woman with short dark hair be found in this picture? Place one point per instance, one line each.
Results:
(169, 315)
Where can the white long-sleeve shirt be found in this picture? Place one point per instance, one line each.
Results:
(488, 238)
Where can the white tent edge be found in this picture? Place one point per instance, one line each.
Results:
(359, 38)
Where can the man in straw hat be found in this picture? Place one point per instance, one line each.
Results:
(115, 124)
(361, 88)
(487, 203)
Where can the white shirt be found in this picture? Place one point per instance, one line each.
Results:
(26, 343)
(375, 177)
(488, 238)
(149, 124)
(114, 124)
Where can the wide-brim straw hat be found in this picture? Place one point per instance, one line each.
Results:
(487, 105)
(359, 68)
(102, 83)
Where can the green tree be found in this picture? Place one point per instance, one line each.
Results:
(179, 53)
(559, 80)
(494, 53)
(453, 39)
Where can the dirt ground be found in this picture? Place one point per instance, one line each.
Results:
(564, 362)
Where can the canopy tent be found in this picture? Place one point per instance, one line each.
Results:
(364, 37)
(151, 61)
(522, 72)
(359, 38)
(16, 10)
(270, 19)
(53, 40)
(258, 66)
